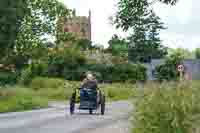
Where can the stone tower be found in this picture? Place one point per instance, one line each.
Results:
(79, 25)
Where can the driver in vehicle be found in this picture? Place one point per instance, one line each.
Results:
(89, 82)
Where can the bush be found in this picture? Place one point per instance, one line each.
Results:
(40, 69)
(168, 70)
(8, 78)
(63, 61)
(167, 108)
(18, 99)
(118, 72)
(26, 76)
(44, 82)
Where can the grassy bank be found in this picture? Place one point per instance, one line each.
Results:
(42, 90)
(20, 99)
(167, 108)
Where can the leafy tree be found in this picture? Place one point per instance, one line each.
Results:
(168, 70)
(31, 20)
(11, 14)
(197, 53)
(171, 2)
(39, 20)
(83, 44)
(184, 52)
(118, 46)
(144, 25)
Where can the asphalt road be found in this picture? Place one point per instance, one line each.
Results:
(58, 120)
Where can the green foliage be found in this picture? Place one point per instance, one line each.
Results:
(118, 46)
(39, 20)
(114, 91)
(11, 12)
(65, 61)
(167, 108)
(169, 2)
(83, 44)
(197, 53)
(39, 69)
(144, 41)
(18, 99)
(184, 52)
(119, 72)
(61, 92)
(118, 91)
(8, 78)
(168, 70)
(26, 76)
(44, 82)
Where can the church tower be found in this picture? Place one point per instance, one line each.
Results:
(90, 25)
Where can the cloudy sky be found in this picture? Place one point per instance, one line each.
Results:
(182, 20)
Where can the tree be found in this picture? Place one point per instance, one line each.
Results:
(118, 46)
(169, 2)
(83, 44)
(197, 53)
(184, 52)
(168, 70)
(38, 20)
(144, 41)
(11, 14)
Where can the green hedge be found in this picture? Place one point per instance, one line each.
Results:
(114, 73)
(8, 78)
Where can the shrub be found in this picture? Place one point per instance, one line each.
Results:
(40, 69)
(118, 72)
(167, 108)
(8, 78)
(26, 76)
(44, 82)
(65, 60)
(168, 70)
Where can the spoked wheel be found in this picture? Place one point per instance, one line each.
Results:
(102, 103)
(72, 103)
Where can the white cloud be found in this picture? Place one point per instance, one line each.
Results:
(182, 21)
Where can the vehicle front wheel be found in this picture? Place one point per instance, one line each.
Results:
(72, 103)
(102, 104)
(90, 111)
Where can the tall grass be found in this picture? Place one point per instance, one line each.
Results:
(20, 99)
(118, 91)
(167, 108)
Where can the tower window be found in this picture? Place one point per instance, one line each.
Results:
(66, 29)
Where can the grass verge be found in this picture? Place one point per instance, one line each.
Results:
(20, 99)
(167, 108)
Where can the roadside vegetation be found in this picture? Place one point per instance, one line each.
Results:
(168, 108)
(43, 90)
(20, 99)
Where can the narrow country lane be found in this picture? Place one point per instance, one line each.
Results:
(58, 120)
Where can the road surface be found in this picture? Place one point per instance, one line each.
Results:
(58, 120)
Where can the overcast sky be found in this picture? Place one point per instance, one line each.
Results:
(182, 20)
